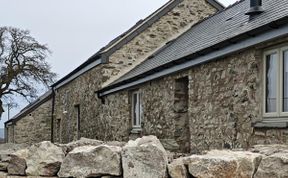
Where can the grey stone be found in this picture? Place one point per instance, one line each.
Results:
(87, 161)
(220, 164)
(32, 127)
(3, 166)
(269, 149)
(115, 143)
(17, 164)
(9, 148)
(8, 176)
(3, 174)
(144, 157)
(44, 159)
(275, 165)
(177, 169)
(170, 144)
(82, 142)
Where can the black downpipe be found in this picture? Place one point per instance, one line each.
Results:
(52, 116)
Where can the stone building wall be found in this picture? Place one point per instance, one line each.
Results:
(34, 127)
(81, 91)
(78, 93)
(9, 134)
(168, 27)
(224, 99)
(160, 117)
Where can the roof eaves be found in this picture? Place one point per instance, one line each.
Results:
(130, 34)
(276, 32)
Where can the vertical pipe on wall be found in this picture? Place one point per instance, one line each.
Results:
(52, 115)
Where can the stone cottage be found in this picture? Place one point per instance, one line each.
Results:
(78, 112)
(194, 74)
(33, 123)
(221, 84)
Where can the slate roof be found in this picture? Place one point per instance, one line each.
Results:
(131, 33)
(218, 30)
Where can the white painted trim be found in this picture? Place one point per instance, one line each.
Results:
(282, 80)
(139, 113)
(265, 114)
(279, 115)
(80, 72)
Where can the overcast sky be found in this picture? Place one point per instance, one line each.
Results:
(75, 29)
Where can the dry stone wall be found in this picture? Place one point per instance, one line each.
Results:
(143, 157)
(33, 127)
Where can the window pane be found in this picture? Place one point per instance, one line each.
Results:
(134, 109)
(271, 83)
(285, 81)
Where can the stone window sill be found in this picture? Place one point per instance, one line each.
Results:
(136, 130)
(270, 124)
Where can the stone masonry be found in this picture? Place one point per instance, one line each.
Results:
(79, 94)
(33, 127)
(170, 26)
(225, 98)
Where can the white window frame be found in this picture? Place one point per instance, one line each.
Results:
(280, 78)
(137, 125)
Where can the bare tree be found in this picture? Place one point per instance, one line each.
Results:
(23, 66)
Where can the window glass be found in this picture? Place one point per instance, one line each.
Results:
(134, 109)
(285, 81)
(271, 83)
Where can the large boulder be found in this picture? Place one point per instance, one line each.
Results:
(177, 169)
(5, 151)
(269, 149)
(9, 176)
(3, 174)
(144, 157)
(9, 148)
(115, 143)
(274, 165)
(82, 142)
(17, 163)
(44, 159)
(3, 166)
(220, 164)
(92, 161)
